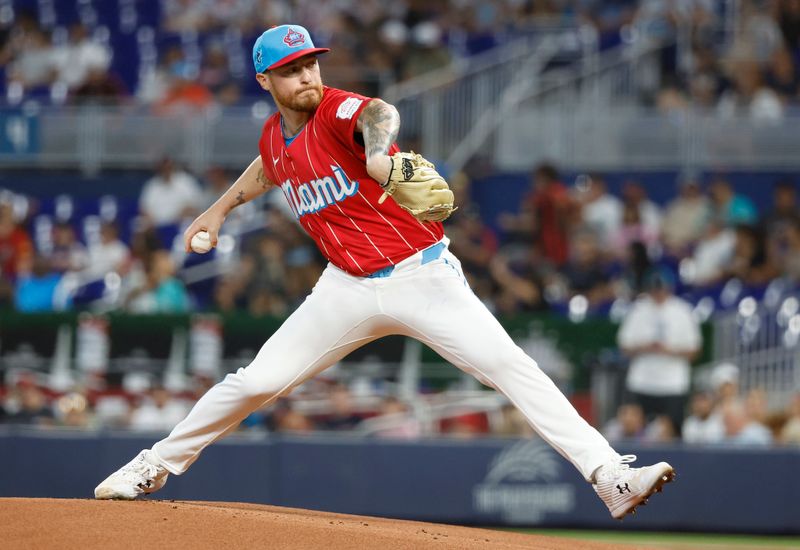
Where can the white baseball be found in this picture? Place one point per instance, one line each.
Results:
(201, 242)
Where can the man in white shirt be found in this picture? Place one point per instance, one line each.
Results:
(170, 195)
(600, 211)
(661, 337)
(705, 424)
(158, 412)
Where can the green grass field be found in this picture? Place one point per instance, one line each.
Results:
(677, 541)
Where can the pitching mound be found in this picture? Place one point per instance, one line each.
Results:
(89, 524)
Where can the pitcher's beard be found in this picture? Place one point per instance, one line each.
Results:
(304, 102)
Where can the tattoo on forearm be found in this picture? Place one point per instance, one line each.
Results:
(380, 123)
(240, 198)
(262, 179)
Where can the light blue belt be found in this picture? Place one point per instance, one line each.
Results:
(428, 255)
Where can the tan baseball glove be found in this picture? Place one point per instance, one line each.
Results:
(417, 187)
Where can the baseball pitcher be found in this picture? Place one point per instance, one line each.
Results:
(375, 213)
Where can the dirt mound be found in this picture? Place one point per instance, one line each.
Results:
(88, 524)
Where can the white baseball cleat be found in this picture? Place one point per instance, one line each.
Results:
(140, 476)
(623, 488)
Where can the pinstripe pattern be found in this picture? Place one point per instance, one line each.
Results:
(340, 209)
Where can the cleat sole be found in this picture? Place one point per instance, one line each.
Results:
(657, 487)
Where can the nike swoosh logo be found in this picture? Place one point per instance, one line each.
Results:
(275, 161)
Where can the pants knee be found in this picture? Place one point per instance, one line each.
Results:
(260, 384)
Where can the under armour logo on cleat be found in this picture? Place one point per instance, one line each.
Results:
(623, 488)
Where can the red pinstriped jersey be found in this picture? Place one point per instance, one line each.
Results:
(323, 175)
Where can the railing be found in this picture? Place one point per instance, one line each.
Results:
(763, 341)
(564, 131)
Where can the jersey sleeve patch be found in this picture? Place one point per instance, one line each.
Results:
(348, 107)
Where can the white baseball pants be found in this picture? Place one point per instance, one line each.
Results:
(430, 302)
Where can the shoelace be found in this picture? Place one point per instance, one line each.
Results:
(135, 470)
(616, 468)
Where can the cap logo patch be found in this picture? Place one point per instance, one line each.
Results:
(293, 38)
(259, 56)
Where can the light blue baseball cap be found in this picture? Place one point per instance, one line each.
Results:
(281, 45)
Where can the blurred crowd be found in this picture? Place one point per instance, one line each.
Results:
(575, 249)
(754, 75)
(318, 405)
(717, 415)
(568, 248)
(194, 54)
(582, 247)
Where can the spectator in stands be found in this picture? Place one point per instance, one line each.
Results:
(36, 285)
(154, 84)
(725, 383)
(81, 56)
(185, 96)
(512, 424)
(785, 210)
(519, 281)
(74, 411)
(601, 212)
(67, 254)
(545, 217)
(301, 260)
(782, 76)
(476, 247)
(712, 254)
(16, 248)
(661, 337)
(634, 230)
(110, 254)
(671, 100)
(214, 70)
(294, 422)
(100, 88)
(704, 425)
(685, 218)
(161, 291)
(790, 433)
(706, 80)
(28, 405)
(586, 273)
(741, 429)
(635, 269)
(394, 421)
(634, 195)
(755, 403)
(787, 14)
(750, 262)
(627, 426)
(750, 97)
(264, 277)
(186, 15)
(36, 65)
(158, 411)
(790, 260)
(608, 18)
(342, 416)
(169, 196)
(427, 53)
(228, 295)
(217, 180)
(729, 207)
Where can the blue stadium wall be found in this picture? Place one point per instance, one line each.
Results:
(483, 482)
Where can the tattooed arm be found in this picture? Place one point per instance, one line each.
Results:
(248, 186)
(379, 122)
